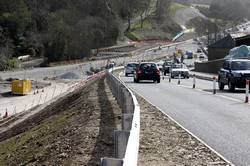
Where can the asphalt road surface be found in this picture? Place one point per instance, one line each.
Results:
(221, 122)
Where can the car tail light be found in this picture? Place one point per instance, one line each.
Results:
(158, 72)
(139, 72)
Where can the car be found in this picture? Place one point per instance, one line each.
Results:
(130, 68)
(234, 73)
(110, 65)
(189, 54)
(201, 56)
(160, 65)
(199, 50)
(166, 67)
(147, 71)
(179, 69)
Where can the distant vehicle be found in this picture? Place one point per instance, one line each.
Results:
(202, 56)
(234, 73)
(110, 65)
(24, 58)
(181, 69)
(147, 71)
(160, 65)
(189, 54)
(130, 68)
(199, 50)
(166, 67)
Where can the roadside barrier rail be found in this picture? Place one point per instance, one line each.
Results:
(126, 140)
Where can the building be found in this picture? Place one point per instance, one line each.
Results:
(221, 48)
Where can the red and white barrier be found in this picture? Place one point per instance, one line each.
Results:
(247, 91)
(214, 85)
(194, 81)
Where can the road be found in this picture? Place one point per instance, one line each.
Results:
(40, 73)
(221, 122)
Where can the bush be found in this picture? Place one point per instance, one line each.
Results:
(8, 64)
(12, 63)
(132, 36)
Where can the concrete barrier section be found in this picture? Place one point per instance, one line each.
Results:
(127, 140)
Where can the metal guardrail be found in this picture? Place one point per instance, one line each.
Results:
(127, 139)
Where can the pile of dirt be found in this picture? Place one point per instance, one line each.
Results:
(76, 130)
(163, 142)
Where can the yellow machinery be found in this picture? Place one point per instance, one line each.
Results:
(21, 87)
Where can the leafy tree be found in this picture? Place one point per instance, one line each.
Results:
(162, 7)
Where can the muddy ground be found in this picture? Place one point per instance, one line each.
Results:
(76, 130)
(164, 143)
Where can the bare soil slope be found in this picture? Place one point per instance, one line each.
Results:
(74, 131)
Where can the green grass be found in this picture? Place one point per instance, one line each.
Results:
(147, 25)
(175, 7)
(25, 145)
(132, 36)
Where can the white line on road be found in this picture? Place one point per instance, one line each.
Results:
(203, 142)
(218, 95)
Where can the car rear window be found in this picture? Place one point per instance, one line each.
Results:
(148, 66)
(240, 65)
(167, 63)
(177, 66)
(132, 65)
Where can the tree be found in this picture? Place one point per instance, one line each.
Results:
(162, 7)
(228, 10)
(144, 7)
(130, 8)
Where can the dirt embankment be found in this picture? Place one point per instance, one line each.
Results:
(163, 142)
(76, 130)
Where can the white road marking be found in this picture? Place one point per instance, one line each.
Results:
(218, 95)
(200, 140)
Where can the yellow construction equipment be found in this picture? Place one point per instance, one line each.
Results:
(21, 87)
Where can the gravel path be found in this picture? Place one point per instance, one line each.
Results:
(163, 142)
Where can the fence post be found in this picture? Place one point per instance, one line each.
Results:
(121, 140)
(54, 92)
(111, 162)
(127, 121)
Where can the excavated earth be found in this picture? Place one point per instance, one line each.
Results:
(76, 130)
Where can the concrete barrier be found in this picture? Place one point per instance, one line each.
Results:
(127, 139)
(210, 66)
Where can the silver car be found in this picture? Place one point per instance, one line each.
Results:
(130, 68)
(179, 69)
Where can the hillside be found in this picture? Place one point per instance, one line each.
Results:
(61, 30)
